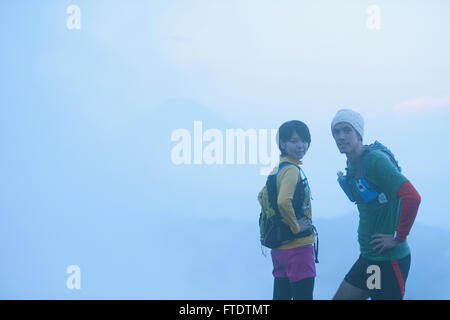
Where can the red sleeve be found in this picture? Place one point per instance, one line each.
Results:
(410, 204)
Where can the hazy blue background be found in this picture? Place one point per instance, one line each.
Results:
(86, 118)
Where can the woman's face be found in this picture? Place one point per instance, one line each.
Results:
(295, 147)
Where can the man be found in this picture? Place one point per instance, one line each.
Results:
(387, 204)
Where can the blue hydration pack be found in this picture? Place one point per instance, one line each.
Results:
(360, 184)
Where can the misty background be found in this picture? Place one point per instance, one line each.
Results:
(86, 118)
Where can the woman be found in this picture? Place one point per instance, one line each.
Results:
(294, 267)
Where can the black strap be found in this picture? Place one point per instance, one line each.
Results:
(316, 245)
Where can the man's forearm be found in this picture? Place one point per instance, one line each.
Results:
(410, 205)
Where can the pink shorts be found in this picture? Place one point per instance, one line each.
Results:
(295, 264)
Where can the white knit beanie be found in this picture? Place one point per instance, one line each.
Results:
(351, 117)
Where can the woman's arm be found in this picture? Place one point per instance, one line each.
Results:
(288, 178)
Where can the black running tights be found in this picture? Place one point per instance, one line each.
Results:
(299, 290)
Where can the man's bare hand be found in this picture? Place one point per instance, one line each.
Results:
(383, 242)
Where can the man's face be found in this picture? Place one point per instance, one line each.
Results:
(346, 137)
(295, 147)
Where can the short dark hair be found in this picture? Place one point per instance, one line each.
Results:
(288, 128)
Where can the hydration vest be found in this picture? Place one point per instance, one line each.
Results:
(360, 184)
(273, 230)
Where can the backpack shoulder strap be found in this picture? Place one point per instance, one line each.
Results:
(285, 164)
(360, 166)
(379, 146)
